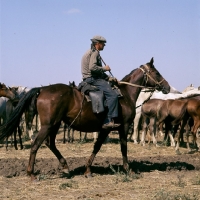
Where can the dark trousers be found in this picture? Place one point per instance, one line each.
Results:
(110, 95)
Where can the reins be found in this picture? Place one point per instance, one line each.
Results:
(146, 74)
(134, 85)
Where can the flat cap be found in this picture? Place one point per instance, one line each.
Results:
(98, 38)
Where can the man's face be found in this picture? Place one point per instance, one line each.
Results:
(100, 45)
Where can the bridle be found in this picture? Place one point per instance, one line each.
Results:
(147, 75)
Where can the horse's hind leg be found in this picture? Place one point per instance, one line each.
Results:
(101, 138)
(44, 132)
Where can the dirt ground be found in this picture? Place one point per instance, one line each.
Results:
(160, 173)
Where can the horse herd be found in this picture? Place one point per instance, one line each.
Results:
(146, 96)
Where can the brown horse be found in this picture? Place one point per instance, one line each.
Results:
(193, 120)
(149, 112)
(175, 112)
(6, 92)
(59, 102)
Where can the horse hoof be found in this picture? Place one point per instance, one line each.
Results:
(178, 152)
(34, 179)
(190, 151)
(65, 170)
(157, 145)
(88, 175)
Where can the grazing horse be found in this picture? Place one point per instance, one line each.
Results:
(6, 92)
(60, 102)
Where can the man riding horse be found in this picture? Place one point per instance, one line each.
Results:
(94, 74)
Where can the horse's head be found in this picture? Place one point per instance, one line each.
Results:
(153, 78)
(6, 92)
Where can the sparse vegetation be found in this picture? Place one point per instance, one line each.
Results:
(163, 175)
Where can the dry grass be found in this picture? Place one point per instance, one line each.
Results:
(115, 185)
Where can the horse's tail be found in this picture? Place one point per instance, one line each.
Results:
(7, 129)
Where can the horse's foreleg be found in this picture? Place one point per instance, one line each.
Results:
(6, 143)
(64, 134)
(15, 139)
(20, 137)
(29, 122)
(50, 143)
(101, 138)
(72, 138)
(95, 135)
(85, 137)
(195, 133)
(152, 129)
(68, 134)
(180, 133)
(135, 133)
(144, 131)
(123, 143)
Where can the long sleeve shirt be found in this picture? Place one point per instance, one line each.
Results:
(91, 65)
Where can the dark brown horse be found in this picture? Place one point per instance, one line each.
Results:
(6, 92)
(59, 102)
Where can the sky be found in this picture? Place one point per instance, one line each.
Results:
(42, 41)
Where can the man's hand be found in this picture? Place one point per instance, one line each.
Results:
(112, 79)
(107, 68)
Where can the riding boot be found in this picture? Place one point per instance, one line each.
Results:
(110, 124)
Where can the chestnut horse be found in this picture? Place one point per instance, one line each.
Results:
(60, 102)
(173, 112)
(6, 92)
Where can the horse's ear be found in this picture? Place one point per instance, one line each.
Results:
(151, 61)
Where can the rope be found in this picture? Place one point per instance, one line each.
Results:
(134, 85)
(146, 99)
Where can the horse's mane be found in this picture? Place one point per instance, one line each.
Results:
(189, 96)
(128, 75)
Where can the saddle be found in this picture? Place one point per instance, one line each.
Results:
(96, 96)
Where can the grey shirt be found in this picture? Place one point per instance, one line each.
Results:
(91, 65)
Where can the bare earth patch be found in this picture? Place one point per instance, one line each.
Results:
(160, 173)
